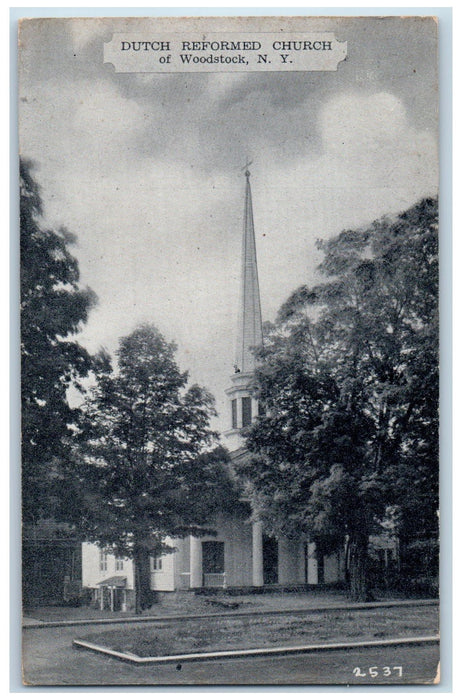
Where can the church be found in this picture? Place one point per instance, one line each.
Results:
(240, 554)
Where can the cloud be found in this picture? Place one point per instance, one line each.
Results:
(354, 122)
(372, 151)
(82, 127)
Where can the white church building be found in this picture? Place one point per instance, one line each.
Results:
(240, 554)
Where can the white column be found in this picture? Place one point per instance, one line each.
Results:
(257, 554)
(195, 562)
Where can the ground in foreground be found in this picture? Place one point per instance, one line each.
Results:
(264, 631)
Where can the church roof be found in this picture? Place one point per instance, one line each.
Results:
(114, 581)
(249, 333)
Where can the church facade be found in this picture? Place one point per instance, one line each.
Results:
(240, 554)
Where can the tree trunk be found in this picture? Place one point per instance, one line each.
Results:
(144, 597)
(358, 569)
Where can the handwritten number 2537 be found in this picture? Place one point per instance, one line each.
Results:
(374, 671)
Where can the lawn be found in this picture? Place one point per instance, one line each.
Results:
(187, 603)
(227, 632)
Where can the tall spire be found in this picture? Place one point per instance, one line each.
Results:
(249, 332)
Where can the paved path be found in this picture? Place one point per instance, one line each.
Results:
(50, 660)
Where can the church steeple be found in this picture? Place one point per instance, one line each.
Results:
(243, 405)
(249, 334)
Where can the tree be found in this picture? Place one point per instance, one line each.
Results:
(53, 309)
(146, 455)
(349, 379)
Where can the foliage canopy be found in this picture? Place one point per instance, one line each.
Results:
(146, 455)
(349, 379)
(53, 309)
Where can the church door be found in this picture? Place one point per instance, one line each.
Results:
(270, 559)
(213, 563)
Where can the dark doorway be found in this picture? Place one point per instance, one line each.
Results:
(320, 563)
(270, 559)
(118, 598)
(213, 557)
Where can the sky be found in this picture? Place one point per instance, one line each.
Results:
(146, 170)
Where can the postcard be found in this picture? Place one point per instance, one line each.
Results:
(229, 351)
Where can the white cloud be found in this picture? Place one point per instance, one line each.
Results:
(350, 123)
(373, 158)
(81, 133)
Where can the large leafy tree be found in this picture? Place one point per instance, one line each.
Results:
(53, 309)
(349, 379)
(146, 455)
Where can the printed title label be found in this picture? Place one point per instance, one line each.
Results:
(224, 52)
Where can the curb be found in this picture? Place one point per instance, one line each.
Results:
(242, 613)
(233, 654)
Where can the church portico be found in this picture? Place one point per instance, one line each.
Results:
(221, 560)
(242, 554)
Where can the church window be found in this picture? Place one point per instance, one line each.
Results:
(234, 413)
(246, 411)
(156, 563)
(102, 560)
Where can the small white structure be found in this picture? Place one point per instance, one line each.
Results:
(108, 576)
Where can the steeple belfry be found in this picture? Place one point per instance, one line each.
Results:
(249, 334)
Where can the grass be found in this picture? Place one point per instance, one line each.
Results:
(186, 603)
(160, 639)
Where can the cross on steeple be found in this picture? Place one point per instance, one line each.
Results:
(246, 167)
